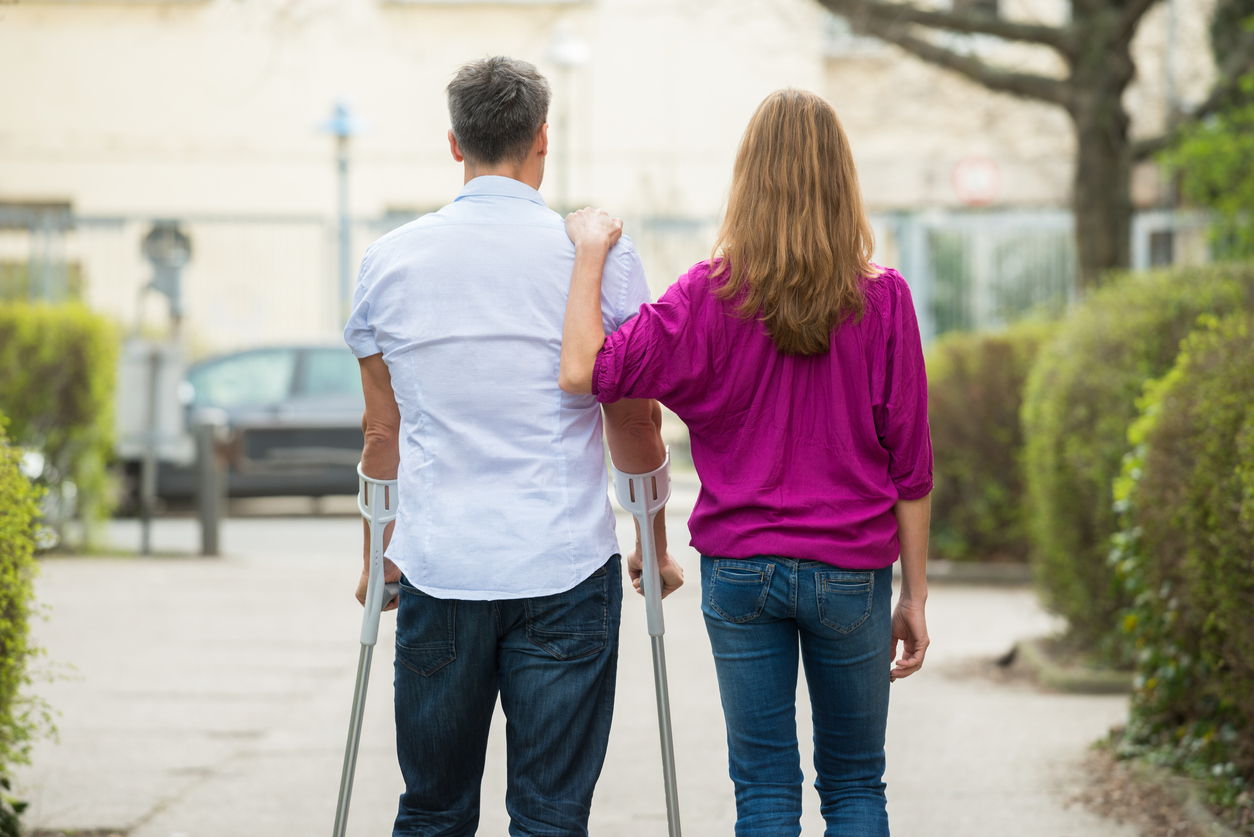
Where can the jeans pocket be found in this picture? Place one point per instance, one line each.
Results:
(844, 598)
(425, 631)
(572, 624)
(738, 588)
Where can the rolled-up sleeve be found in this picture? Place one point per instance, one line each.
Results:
(652, 355)
(901, 416)
(358, 332)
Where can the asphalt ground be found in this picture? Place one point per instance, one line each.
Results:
(210, 698)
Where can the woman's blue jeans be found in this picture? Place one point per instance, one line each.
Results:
(552, 659)
(758, 612)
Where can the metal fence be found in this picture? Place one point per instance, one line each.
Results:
(980, 270)
(270, 279)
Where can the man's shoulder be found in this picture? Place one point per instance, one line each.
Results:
(421, 225)
(623, 252)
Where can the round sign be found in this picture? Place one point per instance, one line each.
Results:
(977, 180)
(167, 246)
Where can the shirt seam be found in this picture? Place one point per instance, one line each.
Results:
(621, 310)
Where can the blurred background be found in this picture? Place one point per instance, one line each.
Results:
(187, 188)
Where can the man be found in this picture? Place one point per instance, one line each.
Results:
(504, 542)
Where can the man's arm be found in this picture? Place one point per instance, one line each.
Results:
(633, 430)
(381, 456)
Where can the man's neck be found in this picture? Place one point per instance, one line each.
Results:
(523, 174)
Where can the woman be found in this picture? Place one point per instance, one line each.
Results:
(797, 366)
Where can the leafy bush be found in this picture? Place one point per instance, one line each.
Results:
(1186, 554)
(57, 370)
(20, 717)
(975, 389)
(1080, 398)
(1215, 160)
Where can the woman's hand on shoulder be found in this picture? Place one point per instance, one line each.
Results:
(593, 228)
(909, 629)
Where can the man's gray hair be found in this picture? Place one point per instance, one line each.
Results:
(496, 106)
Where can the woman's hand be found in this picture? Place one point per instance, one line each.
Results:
(910, 629)
(669, 571)
(593, 228)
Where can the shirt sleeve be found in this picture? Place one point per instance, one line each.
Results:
(653, 355)
(359, 333)
(901, 415)
(624, 288)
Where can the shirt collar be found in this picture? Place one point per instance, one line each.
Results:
(498, 186)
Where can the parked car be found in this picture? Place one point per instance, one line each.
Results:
(293, 415)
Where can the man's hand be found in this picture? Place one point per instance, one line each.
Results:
(669, 571)
(391, 573)
(593, 229)
(910, 629)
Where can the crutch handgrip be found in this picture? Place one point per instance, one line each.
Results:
(643, 496)
(376, 500)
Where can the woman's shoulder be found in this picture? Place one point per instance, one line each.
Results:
(885, 291)
(695, 287)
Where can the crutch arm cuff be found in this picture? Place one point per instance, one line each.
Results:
(643, 493)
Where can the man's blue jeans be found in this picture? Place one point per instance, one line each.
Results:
(758, 612)
(553, 660)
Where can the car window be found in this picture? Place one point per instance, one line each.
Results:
(330, 372)
(249, 379)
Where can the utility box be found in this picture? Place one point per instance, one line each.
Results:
(149, 414)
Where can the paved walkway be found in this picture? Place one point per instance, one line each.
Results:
(210, 698)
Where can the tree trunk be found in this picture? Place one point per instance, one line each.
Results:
(1102, 189)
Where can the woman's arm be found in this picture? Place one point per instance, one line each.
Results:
(594, 232)
(909, 624)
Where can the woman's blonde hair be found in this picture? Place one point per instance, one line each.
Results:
(795, 243)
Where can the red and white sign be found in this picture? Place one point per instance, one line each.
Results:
(977, 180)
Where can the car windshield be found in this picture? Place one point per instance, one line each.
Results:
(249, 379)
(330, 372)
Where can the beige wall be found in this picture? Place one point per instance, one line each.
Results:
(210, 107)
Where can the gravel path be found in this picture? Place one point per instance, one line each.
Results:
(209, 698)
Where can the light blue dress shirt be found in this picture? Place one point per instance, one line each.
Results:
(503, 488)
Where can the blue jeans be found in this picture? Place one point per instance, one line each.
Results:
(553, 660)
(757, 612)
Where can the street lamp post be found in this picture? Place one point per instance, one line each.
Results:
(343, 125)
(568, 52)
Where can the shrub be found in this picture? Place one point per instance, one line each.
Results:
(20, 717)
(57, 370)
(975, 388)
(1080, 398)
(1186, 554)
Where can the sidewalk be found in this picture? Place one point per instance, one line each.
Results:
(210, 698)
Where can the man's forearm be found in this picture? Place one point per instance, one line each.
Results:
(913, 520)
(381, 428)
(633, 431)
(380, 459)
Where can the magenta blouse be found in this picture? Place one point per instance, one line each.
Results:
(800, 457)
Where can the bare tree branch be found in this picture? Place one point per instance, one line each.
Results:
(1026, 85)
(1129, 19)
(1239, 62)
(1057, 38)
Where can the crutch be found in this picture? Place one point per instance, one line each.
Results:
(376, 499)
(643, 495)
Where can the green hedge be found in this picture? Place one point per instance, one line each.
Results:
(975, 389)
(1080, 398)
(20, 717)
(57, 370)
(1187, 557)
